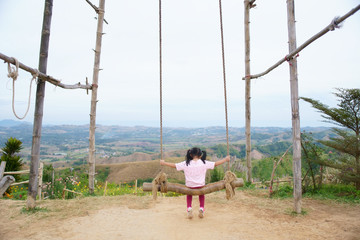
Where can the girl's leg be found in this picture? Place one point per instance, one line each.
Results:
(202, 201)
(202, 205)
(189, 209)
(189, 201)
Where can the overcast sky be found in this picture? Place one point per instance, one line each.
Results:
(192, 67)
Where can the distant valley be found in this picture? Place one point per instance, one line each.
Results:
(65, 145)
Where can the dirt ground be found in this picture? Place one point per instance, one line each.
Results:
(244, 217)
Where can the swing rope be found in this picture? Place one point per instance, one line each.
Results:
(160, 181)
(160, 74)
(13, 72)
(161, 177)
(224, 77)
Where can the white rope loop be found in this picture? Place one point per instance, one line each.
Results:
(13, 72)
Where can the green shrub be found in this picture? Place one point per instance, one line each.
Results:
(10, 152)
(216, 175)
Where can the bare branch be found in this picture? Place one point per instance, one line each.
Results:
(44, 76)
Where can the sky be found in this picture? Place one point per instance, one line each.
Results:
(193, 94)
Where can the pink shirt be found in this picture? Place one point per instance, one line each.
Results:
(195, 172)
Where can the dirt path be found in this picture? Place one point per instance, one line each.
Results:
(130, 217)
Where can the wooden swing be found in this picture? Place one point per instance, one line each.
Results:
(160, 182)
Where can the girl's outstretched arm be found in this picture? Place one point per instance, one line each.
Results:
(162, 162)
(226, 159)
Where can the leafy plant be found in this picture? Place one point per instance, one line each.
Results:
(347, 141)
(216, 175)
(9, 154)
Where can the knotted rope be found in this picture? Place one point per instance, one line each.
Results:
(229, 178)
(334, 24)
(160, 179)
(13, 72)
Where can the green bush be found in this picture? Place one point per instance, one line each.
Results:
(14, 162)
(216, 175)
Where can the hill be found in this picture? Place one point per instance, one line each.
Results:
(129, 171)
(66, 145)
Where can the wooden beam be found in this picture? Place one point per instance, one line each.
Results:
(19, 183)
(5, 183)
(332, 26)
(43, 76)
(95, 8)
(17, 172)
(209, 188)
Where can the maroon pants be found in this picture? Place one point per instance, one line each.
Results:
(201, 199)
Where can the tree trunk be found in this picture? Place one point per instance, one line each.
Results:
(357, 184)
(294, 108)
(94, 100)
(209, 188)
(247, 89)
(39, 106)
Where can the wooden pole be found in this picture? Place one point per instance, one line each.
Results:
(39, 106)
(41, 168)
(2, 169)
(99, 33)
(247, 6)
(43, 76)
(105, 188)
(332, 26)
(274, 168)
(294, 108)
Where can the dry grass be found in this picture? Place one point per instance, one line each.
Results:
(129, 171)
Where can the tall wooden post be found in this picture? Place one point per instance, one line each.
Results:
(41, 169)
(247, 6)
(294, 108)
(99, 33)
(39, 106)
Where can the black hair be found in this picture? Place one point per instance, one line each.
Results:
(195, 152)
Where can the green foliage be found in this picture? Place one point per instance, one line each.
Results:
(102, 174)
(33, 210)
(220, 150)
(347, 140)
(338, 192)
(216, 174)
(274, 149)
(47, 172)
(262, 168)
(13, 161)
(312, 153)
(284, 191)
(249, 185)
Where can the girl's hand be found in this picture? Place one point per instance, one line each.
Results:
(227, 159)
(162, 162)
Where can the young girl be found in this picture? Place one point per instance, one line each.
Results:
(195, 168)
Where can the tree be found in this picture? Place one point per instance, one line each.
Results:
(9, 154)
(347, 141)
(311, 154)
